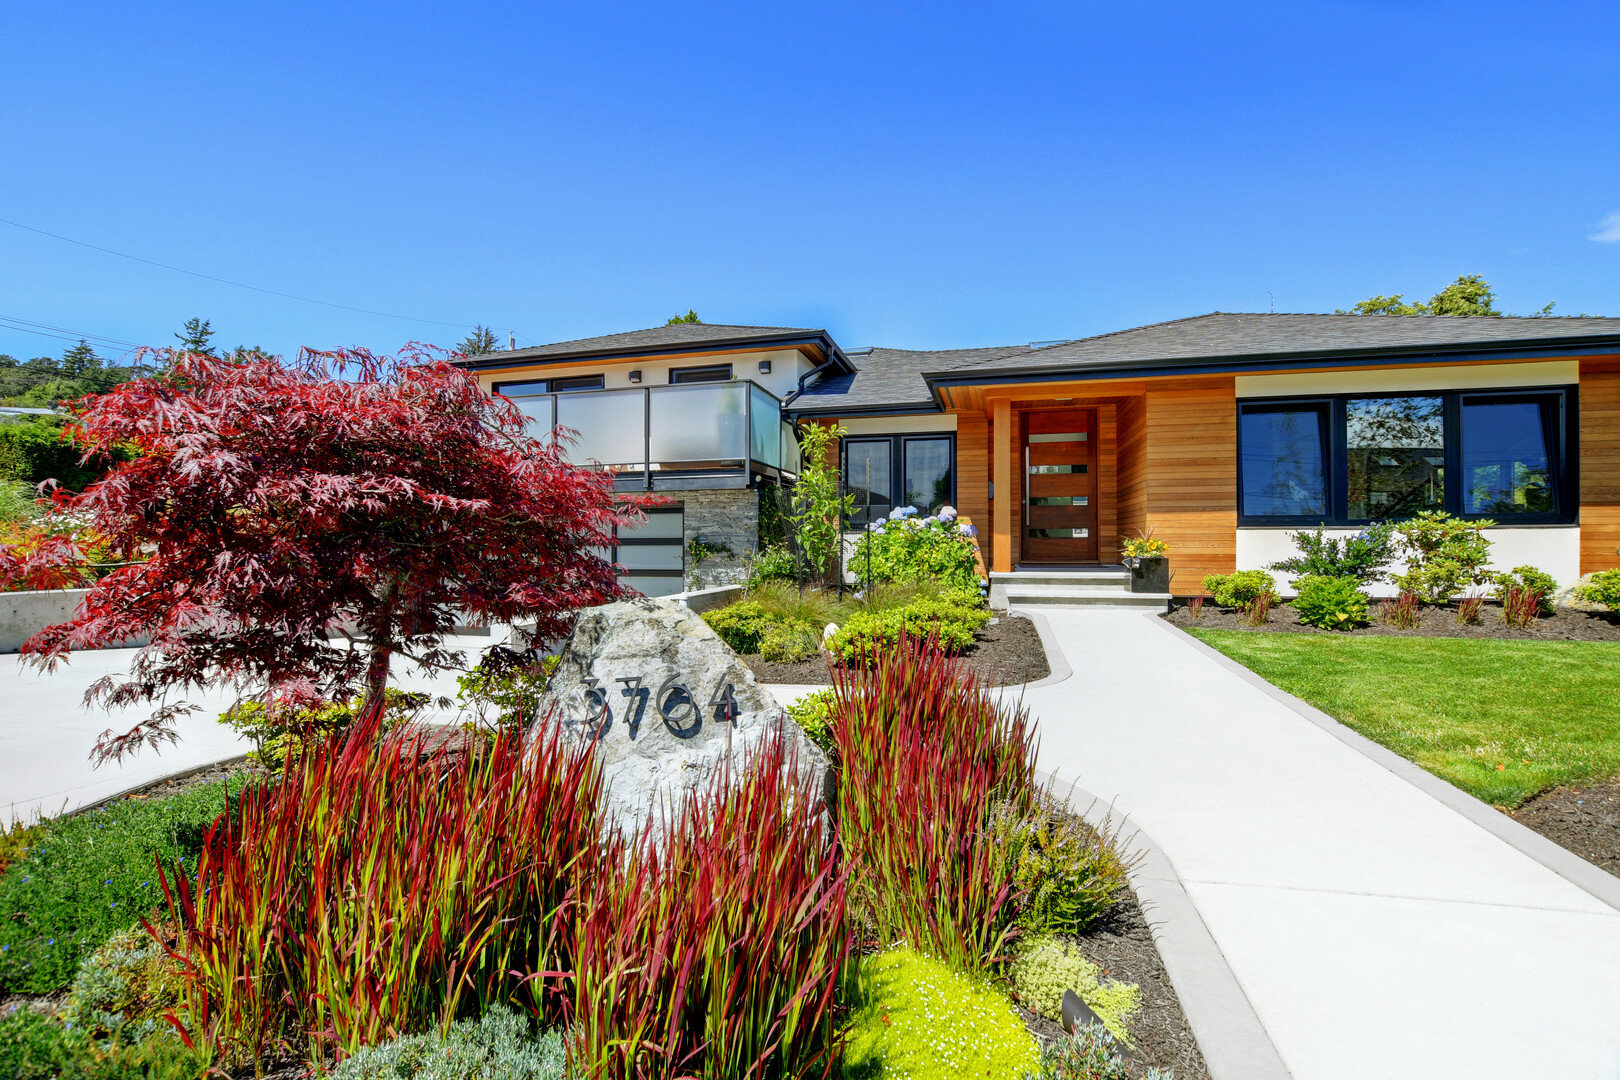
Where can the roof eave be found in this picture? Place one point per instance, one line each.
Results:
(821, 339)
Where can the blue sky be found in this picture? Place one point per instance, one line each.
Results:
(901, 174)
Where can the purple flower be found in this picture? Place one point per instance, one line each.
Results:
(970, 531)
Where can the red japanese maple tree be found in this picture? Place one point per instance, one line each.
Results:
(276, 507)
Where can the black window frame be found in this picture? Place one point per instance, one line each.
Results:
(703, 373)
(539, 387)
(897, 463)
(1564, 470)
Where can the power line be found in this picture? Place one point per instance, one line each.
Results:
(63, 333)
(227, 281)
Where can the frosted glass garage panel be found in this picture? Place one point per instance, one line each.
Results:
(651, 556)
(649, 585)
(700, 424)
(609, 426)
(764, 435)
(659, 525)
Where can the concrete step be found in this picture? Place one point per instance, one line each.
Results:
(1102, 577)
(1087, 598)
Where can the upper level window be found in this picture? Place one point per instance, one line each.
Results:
(577, 382)
(531, 387)
(711, 373)
(522, 389)
(1343, 460)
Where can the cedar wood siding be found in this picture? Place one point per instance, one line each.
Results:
(973, 475)
(1132, 467)
(1190, 466)
(1600, 463)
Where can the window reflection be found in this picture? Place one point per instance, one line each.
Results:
(928, 473)
(866, 476)
(1395, 450)
(1506, 465)
(1284, 473)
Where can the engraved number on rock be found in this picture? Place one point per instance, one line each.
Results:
(679, 710)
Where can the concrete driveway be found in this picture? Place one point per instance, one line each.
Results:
(46, 733)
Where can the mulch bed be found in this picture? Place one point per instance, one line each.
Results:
(1585, 820)
(1122, 945)
(1566, 624)
(1005, 653)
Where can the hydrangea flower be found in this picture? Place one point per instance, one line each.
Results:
(947, 513)
(970, 531)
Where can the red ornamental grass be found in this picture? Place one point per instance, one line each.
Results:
(1521, 606)
(384, 887)
(715, 948)
(1258, 610)
(1468, 609)
(1401, 612)
(927, 758)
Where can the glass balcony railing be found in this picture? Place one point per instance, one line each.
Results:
(699, 428)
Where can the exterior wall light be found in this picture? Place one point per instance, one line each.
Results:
(764, 367)
(635, 376)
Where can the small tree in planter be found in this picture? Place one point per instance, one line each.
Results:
(1148, 559)
(279, 505)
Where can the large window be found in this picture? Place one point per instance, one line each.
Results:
(1352, 459)
(899, 470)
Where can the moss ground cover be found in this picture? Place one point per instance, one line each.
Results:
(1500, 719)
(86, 877)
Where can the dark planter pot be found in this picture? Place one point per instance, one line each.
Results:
(1149, 575)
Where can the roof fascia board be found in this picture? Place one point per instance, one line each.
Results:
(1223, 365)
(822, 343)
(917, 408)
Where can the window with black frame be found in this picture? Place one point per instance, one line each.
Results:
(1350, 459)
(884, 472)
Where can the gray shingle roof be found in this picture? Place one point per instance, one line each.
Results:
(892, 378)
(1224, 336)
(683, 335)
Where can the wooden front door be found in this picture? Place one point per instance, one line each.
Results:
(1060, 486)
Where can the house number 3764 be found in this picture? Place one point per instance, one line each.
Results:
(672, 701)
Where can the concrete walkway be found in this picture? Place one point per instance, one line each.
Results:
(1376, 931)
(46, 733)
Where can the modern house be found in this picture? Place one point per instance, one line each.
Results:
(1220, 433)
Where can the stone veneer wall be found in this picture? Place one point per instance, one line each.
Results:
(728, 516)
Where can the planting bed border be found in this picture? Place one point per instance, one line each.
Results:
(1566, 864)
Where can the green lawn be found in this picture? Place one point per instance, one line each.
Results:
(1500, 719)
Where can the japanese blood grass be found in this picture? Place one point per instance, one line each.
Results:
(384, 887)
(715, 948)
(926, 756)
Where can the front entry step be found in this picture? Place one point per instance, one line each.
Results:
(1105, 587)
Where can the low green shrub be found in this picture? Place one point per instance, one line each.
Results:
(123, 989)
(1239, 589)
(1444, 555)
(1530, 579)
(916, 1019)
(1363, 556)
(1332, 603)
(282, 728)
(1089, 1054)
(908, 547)
(37, 1047)
(1604, 588)
(498, 1046)
(91, 875)
(771, 564)
(1068, 873)
(866, 633)
(508, 696)
(1046, 966)
(813, 713)
(789, 643)
(740, 625)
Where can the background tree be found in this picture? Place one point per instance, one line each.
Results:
(194, 337)
(690, 316)
(276, 504)
(1470, 294)
(479, 342)
(81, 360)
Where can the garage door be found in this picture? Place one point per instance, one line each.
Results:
(653, 553)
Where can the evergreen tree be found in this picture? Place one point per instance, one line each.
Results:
(479, 342)
(690, 316)
(194, 337)
(81, 360)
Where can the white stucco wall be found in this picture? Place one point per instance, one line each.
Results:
(1555, 549)
(786, 367)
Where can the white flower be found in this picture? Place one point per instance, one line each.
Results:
(946, 513)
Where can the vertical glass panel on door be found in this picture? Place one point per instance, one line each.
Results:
(866, 476)
(700, 426)
(1506, 456)
(764, 432)
(927, 470)
(1284, 465)
(1396, 455)
(610, 427)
